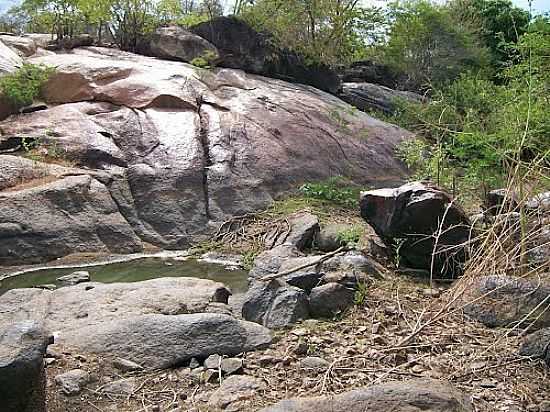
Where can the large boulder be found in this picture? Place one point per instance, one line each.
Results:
(156, 323)
(275, 304)
(10, 61)
(23, 46)
(160, 341)
(242, 47)
(22, 377)
(303, 286)
(181, 150)
(429, 229)
(502, 301)
(402, 396)
(72, 308)
(176, 43)
(369, 96)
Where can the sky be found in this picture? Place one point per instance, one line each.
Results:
(539, 6)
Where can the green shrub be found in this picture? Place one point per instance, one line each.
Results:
(350, 237)
(205, 61)
(24, 85)
(334, 191)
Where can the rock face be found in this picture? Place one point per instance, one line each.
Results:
(176, 43)
(170, 152)
(369, 96)
(507, 301)
(242, 47)
(406, 396)
(154, 323)
(22, 376)
(412, 215)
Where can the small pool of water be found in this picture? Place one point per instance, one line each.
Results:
(135, 271)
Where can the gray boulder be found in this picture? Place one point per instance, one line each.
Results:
(160, 341)
(242, 47)
(275, 304)
(176, 43)
(504, 300)
(369, 96)
(412, 215)
(72, 382)
(402, 396)
(22, 376)
(69, 309)
(270, 261)
(329, 299)
(500, 201)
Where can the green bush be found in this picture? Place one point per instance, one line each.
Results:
(205, 61)
(350, 237)
(24, 85)
(334, 191)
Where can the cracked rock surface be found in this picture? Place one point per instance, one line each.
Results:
(159, 152)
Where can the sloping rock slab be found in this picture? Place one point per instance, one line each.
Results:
(507, 300)
(406, 396)
(22, 376)
(185, 149)
(160, 341)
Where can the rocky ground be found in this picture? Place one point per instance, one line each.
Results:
(360, 348)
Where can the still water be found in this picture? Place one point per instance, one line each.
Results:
(136, 270)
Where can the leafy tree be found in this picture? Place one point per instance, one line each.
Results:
(427, 45)
(328, 31)
(498, 23)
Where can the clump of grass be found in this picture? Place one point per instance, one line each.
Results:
(350, 237)
(334, 191)
(205, 61)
